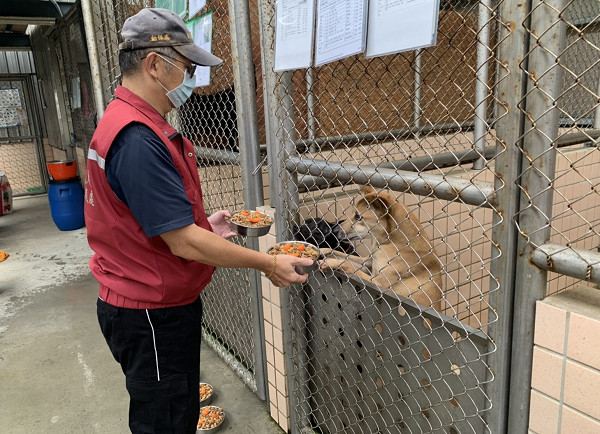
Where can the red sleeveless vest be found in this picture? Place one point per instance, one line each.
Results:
(135, 271)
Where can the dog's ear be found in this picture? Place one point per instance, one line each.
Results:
(368, 190)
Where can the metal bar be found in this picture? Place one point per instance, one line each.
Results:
(437, 161)
(548, 34)
(447, 188)
(384, 135)
(597, 111)
(579, 263)
(509, 129)
(481, 83)
(217, 155)
(310, 106)
(589, 136)
(417, 89)
(90, 38)
(249, 156)
(17, 139)
(273, 85)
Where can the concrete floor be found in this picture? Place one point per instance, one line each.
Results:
(56, 372)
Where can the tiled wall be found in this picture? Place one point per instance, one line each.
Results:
(565, 384)
(276, 374)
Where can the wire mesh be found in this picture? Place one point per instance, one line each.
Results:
(76, 78)
(572, 180)
(382, 353)
(19, 153)
(209, 120)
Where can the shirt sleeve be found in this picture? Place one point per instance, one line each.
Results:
(141, 172)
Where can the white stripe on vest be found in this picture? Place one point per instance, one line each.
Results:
(93, 155)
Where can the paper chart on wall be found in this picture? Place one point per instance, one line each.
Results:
(294, 34)
(201, 30)
(195, 7)
(401, 25)
(341, 29)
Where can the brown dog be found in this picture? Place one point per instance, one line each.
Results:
(399, 254)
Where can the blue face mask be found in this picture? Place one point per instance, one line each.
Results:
(181, 93)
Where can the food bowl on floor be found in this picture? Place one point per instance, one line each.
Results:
(206, 394)
(299, 249)
(251, 223)
(211, 419)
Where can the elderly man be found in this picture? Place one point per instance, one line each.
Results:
(154, 247)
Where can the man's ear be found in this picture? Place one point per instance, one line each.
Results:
(151, 64)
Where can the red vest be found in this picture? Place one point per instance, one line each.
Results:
(135, 271)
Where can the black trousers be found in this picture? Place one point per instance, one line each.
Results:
(159, 352)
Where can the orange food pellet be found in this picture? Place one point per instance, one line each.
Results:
(301, 247)
(287, 247)
(244, 213)
(297, 255)
(254, 220)
(205, 412)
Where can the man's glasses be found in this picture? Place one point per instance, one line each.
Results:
(191, 69)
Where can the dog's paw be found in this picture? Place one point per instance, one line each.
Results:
(329, 264)
(326, 251)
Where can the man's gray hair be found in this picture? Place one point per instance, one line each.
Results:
(130, 60)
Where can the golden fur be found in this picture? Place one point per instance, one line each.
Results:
(397, 253)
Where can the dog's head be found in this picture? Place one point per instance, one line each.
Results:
(381, 216)
(322, 234)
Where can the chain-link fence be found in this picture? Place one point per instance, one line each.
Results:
(210, 121)
(403, 347)
(478, 158)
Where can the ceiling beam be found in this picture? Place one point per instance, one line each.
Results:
(32, 8)
(14, 40)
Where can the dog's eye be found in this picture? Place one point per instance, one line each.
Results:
(357, 216)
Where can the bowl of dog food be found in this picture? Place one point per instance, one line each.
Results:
(206, 394)
(210, 420)
(300, 249)
(251, 223)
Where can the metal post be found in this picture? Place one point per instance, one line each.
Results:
(417, 89)
(509, 129)
(597, 113)
(310, 106)
(481, 84)
(90, 38)
(539, 159)
(247, 119)
(280, 139)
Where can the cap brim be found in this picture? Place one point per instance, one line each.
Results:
(197, 55)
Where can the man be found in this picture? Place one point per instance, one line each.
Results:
(154, 247)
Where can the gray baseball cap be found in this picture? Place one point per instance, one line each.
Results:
(155, 27)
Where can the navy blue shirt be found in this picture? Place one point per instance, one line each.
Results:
(141, 172)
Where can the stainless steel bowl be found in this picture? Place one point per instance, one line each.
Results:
(213, 429)
(251, 231)
(299, 268)
(209, 399)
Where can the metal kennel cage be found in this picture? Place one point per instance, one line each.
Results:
(489, 138)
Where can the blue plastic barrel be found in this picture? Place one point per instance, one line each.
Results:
(66, 204)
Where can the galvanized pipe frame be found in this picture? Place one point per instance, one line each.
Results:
(481, 84)
(510, 87)
(249, 158)
(547, 34)
(443, 187)
(90, 37)
(569, 261)
(279, 136)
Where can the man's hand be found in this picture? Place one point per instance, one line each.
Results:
(284, 270)
(220, 226)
